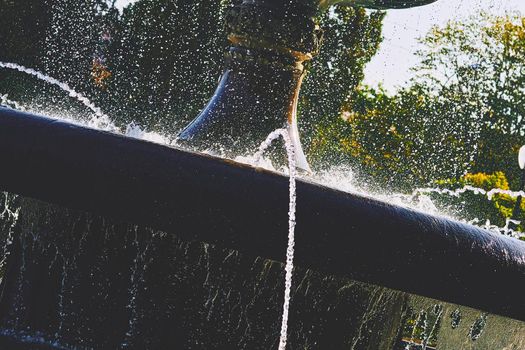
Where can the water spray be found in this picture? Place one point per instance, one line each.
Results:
(292, 172)
(101, 120)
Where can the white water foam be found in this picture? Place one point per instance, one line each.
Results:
(292, 172)
(505, 230)
(4, 100)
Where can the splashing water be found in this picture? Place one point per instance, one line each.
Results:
(292, 172)
(342, 178)
(418, 200)
(476, 190)
(134, 130)
(505, 230)
(4, 100)
(101, 120)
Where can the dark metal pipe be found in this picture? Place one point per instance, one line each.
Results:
(207, 199)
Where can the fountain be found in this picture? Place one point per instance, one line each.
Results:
(117, 242)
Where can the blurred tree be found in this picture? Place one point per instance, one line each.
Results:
(476, 68)
(462, 112)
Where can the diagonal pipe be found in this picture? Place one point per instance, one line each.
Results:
(208, 199)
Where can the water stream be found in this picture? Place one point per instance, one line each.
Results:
(101, 120)
(290, 150)
(476, 190)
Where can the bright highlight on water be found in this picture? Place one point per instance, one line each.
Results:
(4, 99)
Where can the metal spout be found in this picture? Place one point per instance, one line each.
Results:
(259, 90)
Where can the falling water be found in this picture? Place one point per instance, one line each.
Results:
(291, 222)
(439, 313)
(414, 330)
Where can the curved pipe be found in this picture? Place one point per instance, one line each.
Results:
(202, 198)
(378, 4)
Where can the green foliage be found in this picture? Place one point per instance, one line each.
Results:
(463, 111)
(481, 61)
(485, 181)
